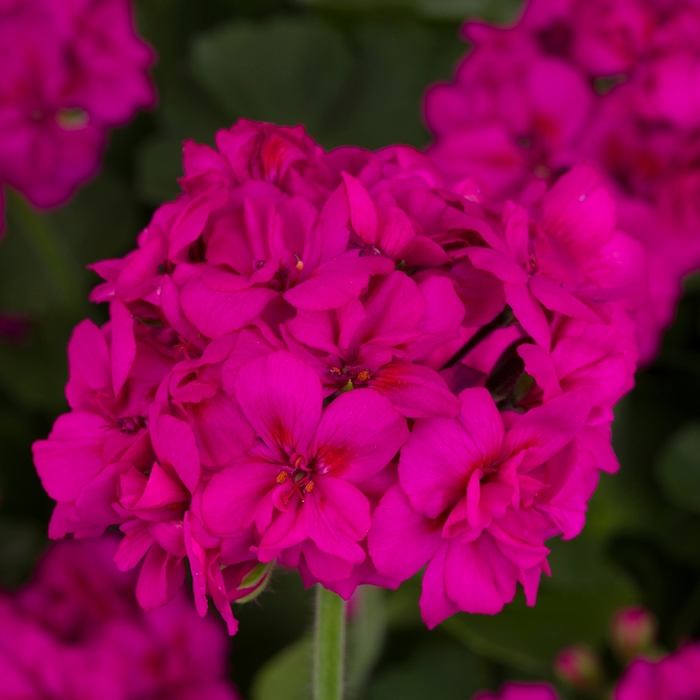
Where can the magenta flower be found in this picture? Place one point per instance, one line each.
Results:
(71, 71)
(675, 677)
(75, 631)
(300, 484)
(470, 497)
(335, 362)
(602, 82)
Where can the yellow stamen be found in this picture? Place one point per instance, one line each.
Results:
(282, 477)
(309, 487)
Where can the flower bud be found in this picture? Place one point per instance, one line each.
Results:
(632, 632)
(579, 667)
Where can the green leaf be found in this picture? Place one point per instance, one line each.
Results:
(288, 71)
(396, 61)
(444, 10)
(678, 468)
(441, 672)
(287, 675)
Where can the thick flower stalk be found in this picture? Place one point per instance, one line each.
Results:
(75, 631)
(70, 71)
(334, 362)
(598, 81)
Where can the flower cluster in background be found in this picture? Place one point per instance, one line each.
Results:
(600, 81)
(76, 631)
(334, 361)
(673, 677)
(71, 71)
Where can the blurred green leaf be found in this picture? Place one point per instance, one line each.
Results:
(396, 61)
(441, 672)
(449, 10)
(21, 543)
(288, 71)
(187, 112)
(528, 638)
(287, 675)
(678, 468)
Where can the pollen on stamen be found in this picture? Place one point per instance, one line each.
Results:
(282, 477)
(364, 375)
(309, 487)
(300, 265)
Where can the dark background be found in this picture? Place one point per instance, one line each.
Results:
(352, 71)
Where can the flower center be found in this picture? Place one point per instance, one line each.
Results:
(348, 378)
(299, 475)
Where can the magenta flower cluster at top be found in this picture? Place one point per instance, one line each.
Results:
(71, 69)
(609, 82)
(75, 631)
(336, 362)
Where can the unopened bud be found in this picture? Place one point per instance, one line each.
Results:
(632, 632)
(579, 667)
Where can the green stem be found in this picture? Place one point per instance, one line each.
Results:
(61, 268)
(329, 645)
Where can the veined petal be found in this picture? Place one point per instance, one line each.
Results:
(359, 433)
(282, 399)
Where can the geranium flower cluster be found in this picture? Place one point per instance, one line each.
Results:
(75, 631)
(70, 71)
(332, 361)
(674, 677)
(609, 82)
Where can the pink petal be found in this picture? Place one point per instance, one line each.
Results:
(478, 578)
(336, 282)
(220, 429)
(72, 455)
(544, 430)
(173, 441)
(529, 313)
(323, 566)
(162, 489)
(481, 293)
(415, 391)
(192, 220)
(160, 578)
(435, 605)
(233, 495)
(359, 433)
(281, 398)
(497, 264)
(394, 307)
(336, 516)
(89, 362)
(123, 344)
(215, 313)
(363, 213)
(439, 458)
(539, 365)
(556, 298)
(401, 541)
(579, 211)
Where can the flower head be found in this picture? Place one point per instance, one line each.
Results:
(71, 70)
(334, 362)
